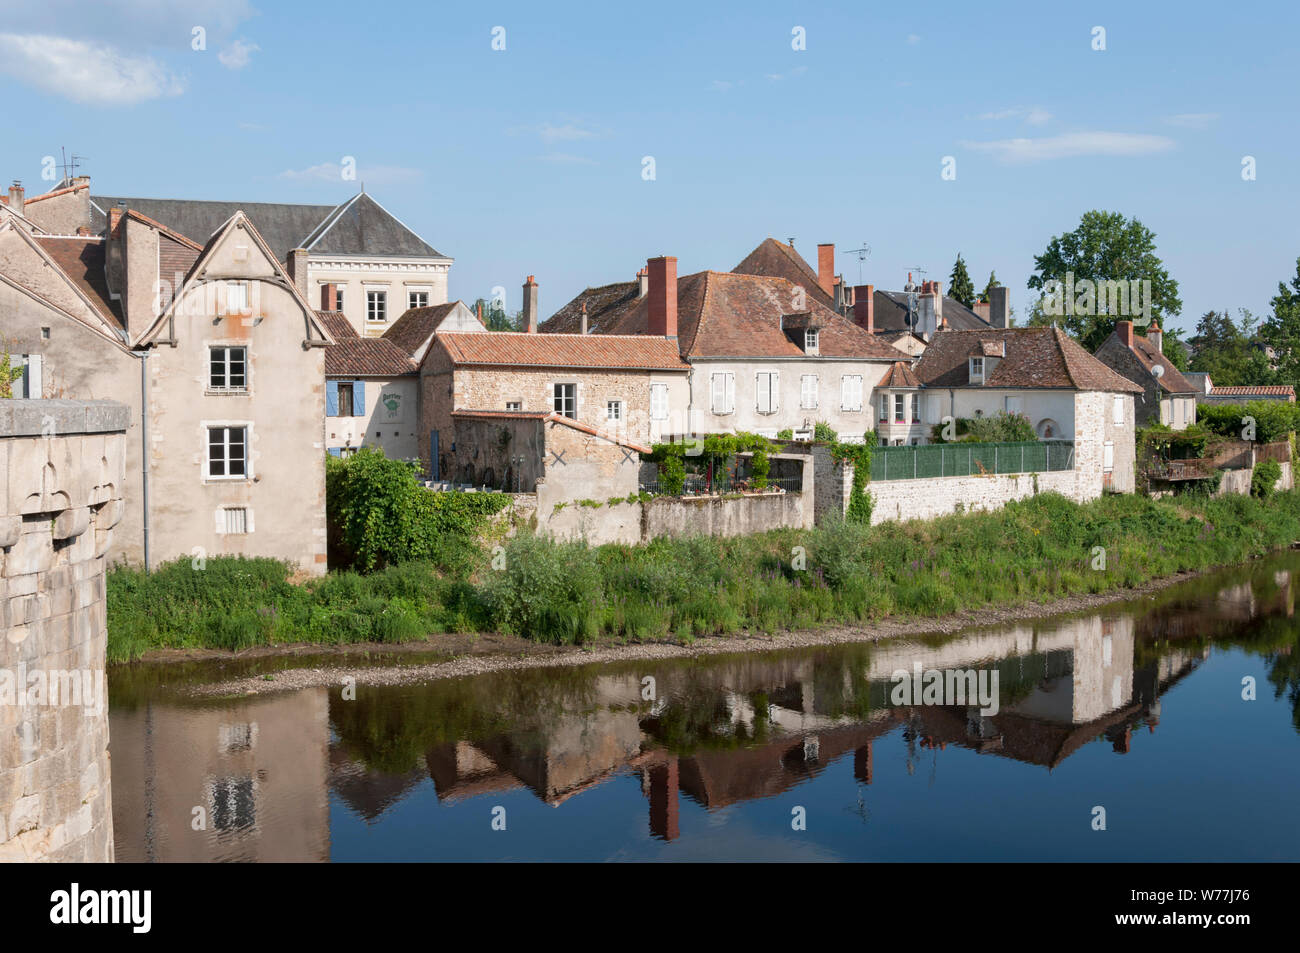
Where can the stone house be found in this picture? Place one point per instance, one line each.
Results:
(765, 354)
(1042, 373)
(618, 388)
(1167, 397)
(375, 266)
(223, 370)
(372, 393)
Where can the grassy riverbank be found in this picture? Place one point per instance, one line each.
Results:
(1039, 549)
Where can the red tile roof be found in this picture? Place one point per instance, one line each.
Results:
(899, 374)
(1039, 358)
(82, 260)
(1269, 390)
(56, 192)
(720, 314)
(516, 348)
(353, 355)
(774, 259)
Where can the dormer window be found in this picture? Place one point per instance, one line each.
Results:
(977, 370)
(810, 338)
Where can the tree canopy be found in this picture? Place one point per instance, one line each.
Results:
(960, 287)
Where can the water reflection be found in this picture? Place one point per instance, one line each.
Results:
(720, 733)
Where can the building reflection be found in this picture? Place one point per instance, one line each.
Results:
(718, 732)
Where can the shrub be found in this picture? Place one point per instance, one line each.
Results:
(1003, 427)
(823, 433)
(547, 591)
(1265, 477)
(1273, 420)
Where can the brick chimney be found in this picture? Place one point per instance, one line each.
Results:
(16, 196)
(643, 279)
(1156, 337)
(530, 305)
(661, 297)
(1125, 331)
(298, 269)
(998, 309)
(826, 267)
(864, 307)
(329, 297)
(584, 317)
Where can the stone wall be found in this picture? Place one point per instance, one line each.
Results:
(676, 517)
(62, 468)
(941, 496)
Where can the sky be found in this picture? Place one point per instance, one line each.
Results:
(536, 158)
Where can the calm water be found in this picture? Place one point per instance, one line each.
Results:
(1137, 709)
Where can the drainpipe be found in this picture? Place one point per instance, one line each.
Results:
(144, 448)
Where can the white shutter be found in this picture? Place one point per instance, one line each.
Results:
(32, 378)
(1108, 456)
(774, 385)
(658, 401)
(808, 392)
(729, 393)
(1119, 410)
(718, 393)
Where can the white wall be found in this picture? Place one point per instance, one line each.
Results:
(1037, 405)
(398, 430)
(396, 277)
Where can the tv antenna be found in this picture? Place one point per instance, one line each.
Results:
(69, 166)
(862, 254)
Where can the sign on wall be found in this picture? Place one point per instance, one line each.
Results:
(390, 407)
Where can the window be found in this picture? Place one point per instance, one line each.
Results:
(1108, 456)
(28, 384)
(237, 297)
(851, 392)
(808, 392)
(233, 520)
(338, 299)
(376, 305)
(1118, 411)
(514, 405)
(227, 368)
(810, 338)
(977, 370)
(767, 398)
(899, 417)
(417, 299)
(658, 401)
(884, 407)
(566, 400)
(722, 390)
(1014, 405)
(227, 453)
(345, 398)
(916, 408)
(614, 410)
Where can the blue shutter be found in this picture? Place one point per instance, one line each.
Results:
(336, 451)
(331, 398)
(358, 398)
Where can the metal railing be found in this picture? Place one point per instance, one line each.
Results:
(970, 459)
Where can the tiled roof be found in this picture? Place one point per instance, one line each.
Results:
(890, 313)
(517, 348)
(1265, 390)
(414, 327)
(360, 226)
(1171, 379)
(82, 260)
(1035, 358)
(720, 314)
(774, 259)
(899, 374)
(602, 303)
(352, 354)
(56, 192)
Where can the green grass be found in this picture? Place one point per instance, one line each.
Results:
(1037, 549)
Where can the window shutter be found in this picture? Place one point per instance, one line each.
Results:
(358, 398)
(760, 398)
(729, 392)
(774, 383)
(336, 451)
(34, 391)
(331, 398)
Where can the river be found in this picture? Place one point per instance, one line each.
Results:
(1130, 733)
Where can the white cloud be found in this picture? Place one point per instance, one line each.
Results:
(1034, 115)
(568, 132)
(1072, 145)
(128, 24)
(913, 39)
(237, 54)
(84, 72)
(1192, 120)
(333, 172)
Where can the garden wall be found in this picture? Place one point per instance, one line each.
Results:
(926, 499)
(634, 523)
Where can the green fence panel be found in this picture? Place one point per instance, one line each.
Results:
(969, 459)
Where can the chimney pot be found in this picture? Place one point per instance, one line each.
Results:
(661, 298)
(1125, 331)
(17, 195)
(1156, 337)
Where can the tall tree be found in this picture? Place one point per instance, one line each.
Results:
(993, 283)
(959, 283)
(1281, 331)
(495, 317)
(1105, 246)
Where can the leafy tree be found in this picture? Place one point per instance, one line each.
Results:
(1175, 349)
(8, 375)
(993, 283)
(495, 317)
(959, 283)
(1282, 330)
(1105, 246)
(1230, 352)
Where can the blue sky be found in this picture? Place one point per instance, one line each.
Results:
(528, 160)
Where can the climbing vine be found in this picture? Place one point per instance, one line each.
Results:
(859, 455)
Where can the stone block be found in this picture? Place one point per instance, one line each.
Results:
(71, 523)
(11, 527)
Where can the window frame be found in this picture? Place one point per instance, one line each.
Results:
(773, 392)
(614, 411)
(851, 393)
(804, 389)
(227, 387)
(247, 457)
(977, 370)
(411, 295)
(557, 397)
(662, 400)
(373, 296)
